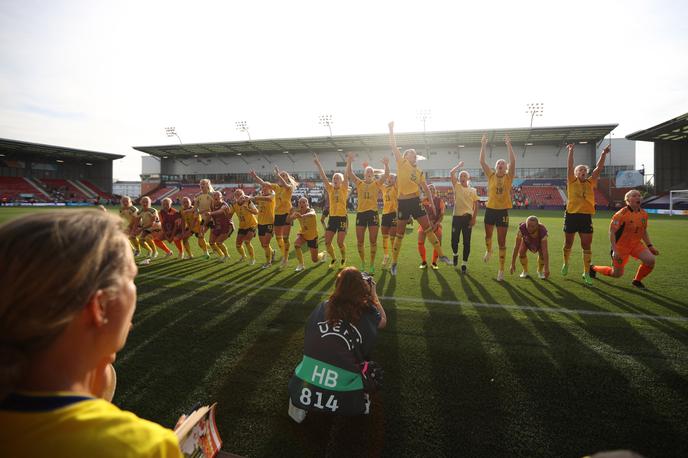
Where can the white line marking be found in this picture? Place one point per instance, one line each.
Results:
(529, 308)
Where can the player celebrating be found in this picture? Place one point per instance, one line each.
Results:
(465, 213)
(191, 225)
(498, 201)
(308, 234)
(531, 235)
(366, 211)
(435, 213)
(283, 190)
(629, 237)
(246, 211)
(171, 222)
(580, 208)
(221, 214)
(389, 214)
(203, 202)
(410, 180)
(337, 193)
(150, 230)
(266, 220)
(129, 214)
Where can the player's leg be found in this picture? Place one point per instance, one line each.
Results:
(647, 260)
(341, 236)
(568, 244)
(373, 230)
(586, 245)
(249, 246)
(360, 239)
(501, 240)
(466, 232)
(435, 254)
(421, 248)
(329, 235)
(455, 236)
(424, 221)
(299, 254)
(523, 258)
(286, 230)
(489, 229)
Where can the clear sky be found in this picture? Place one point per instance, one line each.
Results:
(108, 75)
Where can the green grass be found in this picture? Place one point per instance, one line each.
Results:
(461, 378)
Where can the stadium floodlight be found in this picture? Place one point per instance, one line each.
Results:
(242, 126)
(172, 132)
(326, 121)
(535, 109)
(424, 115)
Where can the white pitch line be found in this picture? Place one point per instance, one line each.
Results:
(529, 308)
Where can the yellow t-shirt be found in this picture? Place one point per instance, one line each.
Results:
(581, 196)
(337, 199)
(246, 218)
(309, 227)
(409, 178)
(129, 215)
(266, 210)
(499, 191)
(88, 427)
(389, 198)
(192, 221)
(367, 195)
(282, 198)
(464, 199)
(148, 217)
(203, 202)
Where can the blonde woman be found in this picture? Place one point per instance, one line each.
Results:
(129, 213)
(367, 190)
(191, 226)
(337, 223)
(60, 336)
(221, 217)
(465, 213)
(390, 205)
(499, 182)
(246, 211)
(308, 234)
(284, 188)
(265, 203)
(149, 221)
(171, 222)
(203, 201)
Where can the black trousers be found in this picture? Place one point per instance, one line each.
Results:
(461, 227)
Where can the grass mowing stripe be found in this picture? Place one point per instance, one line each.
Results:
(640, 316)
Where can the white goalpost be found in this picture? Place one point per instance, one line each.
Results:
(675, 198)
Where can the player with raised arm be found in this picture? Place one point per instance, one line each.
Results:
(465, 213)
(367, 215)
(531, 236)
(410, 181)
(246, 211)
(390, 206)
(337, 223)
(308, 233)
(265, 203)
(629, 237)
(580, 208)
(499, 183)
(284, 188)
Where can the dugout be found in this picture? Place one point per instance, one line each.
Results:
(670, 140)
(40, 161)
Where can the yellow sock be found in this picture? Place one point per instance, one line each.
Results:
(385, 244)
(217, 249)
(541, 264)
(280, 243)
(373, 252)
(202, 243)
(153, 247)
(299, 254)
(396, 247)
(148, 246)
(285, 242)
(330, 251)
(240, 249)
(567, 255)
(223, 248)
(342, 250)
(135, 243)
(268, 253)
(502, 257)
(251, 253)
(587, 259)
(524, 262)
(488, 244)
(435, 242)
(187, 247)
(361, 251)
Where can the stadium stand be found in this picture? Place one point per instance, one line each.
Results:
(64, 189)
(543, 195)
(14, 188)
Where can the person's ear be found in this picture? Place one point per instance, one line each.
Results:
(96, 308)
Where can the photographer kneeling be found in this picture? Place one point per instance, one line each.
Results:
(335, 374)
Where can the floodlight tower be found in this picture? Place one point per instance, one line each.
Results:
(535, 109)
(172, 132)
(424, 116)
(242, 126)
(326, 120)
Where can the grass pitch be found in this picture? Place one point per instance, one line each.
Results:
(473, 367)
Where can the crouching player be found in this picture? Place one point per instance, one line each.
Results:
(308, 234)
(531, 236)
(171, 222)
(628, 236)
(191, 226)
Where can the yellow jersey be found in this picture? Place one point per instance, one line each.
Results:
(499, 191)
(74, 425)
(148, 217)
(367, 195)
(409, 178)
(129, 215)
(246, 218)
(266, 210)
(464, 198)
(581, 196)
(192, 221)
(389, 198)
(337, 199)
(282, 198)
(203, 202)
(309, 227)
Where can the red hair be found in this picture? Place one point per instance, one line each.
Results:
(350, 297)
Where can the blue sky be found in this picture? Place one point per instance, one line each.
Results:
(106, 76)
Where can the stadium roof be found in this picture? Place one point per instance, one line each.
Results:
(21, 150)
(451, 139)
(673, 130)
